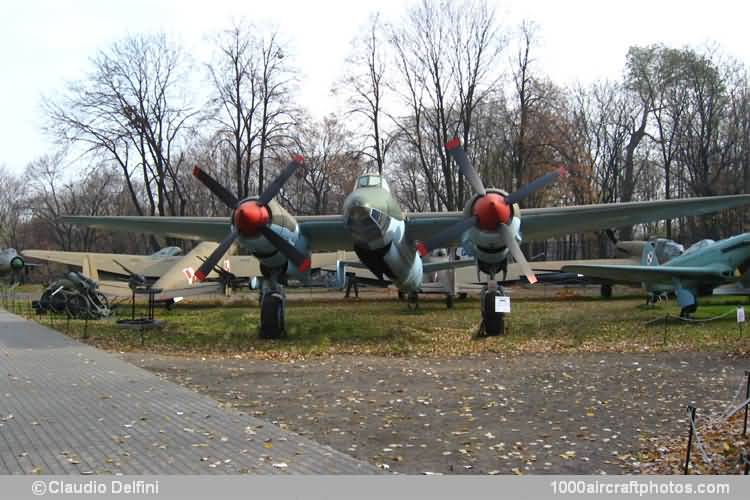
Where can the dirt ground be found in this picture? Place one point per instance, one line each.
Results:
(582, 413)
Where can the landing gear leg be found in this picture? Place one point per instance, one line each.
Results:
(493, 323)
(412, 301)
(449, 301)
(272, 311)
(685, 312)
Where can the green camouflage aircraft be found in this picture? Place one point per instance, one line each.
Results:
(701, 268)
(388, 241)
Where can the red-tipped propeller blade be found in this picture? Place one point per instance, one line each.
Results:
(446, 236)
(459, 155)
(535, 185)
(217, 189)
(300, 260)
(217, 254)
(252, 217)
(510, 241)
(273, 189)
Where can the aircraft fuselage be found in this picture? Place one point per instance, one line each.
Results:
(378, 231)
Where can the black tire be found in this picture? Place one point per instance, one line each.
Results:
(449, 301)
(272, 317)
(58, 302)
(76, 306)
(606, 291)
(493, 322)
(101, 300)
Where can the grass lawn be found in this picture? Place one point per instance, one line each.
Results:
(385, 327)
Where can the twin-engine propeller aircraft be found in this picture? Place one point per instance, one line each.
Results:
(385, 239)
(701, 268)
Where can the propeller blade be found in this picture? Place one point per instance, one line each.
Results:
(447, 235)
(217, 254)
(223, 273)
(134, 279)
(273, 189)
(535, 185)
(300, 260)
(517, 253)
(459, 155)
(217, 189)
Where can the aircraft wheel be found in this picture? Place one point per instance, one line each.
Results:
(449, 301)
(463, 295)
(606, 291)
(493, 323)
(272, 317)
(57, 302)
(685, 312)
(102, 300)
(76, 306)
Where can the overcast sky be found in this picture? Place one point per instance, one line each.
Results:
(44, 43)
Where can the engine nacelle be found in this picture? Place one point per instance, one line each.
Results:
(487, 245)
(285, 225)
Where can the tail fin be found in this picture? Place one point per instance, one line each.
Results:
(648, 256)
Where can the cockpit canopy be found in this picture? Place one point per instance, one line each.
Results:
(372, 180)
(666, 249)
(168, 252)
(699, 245)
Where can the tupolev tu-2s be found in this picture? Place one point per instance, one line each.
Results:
(388, 241)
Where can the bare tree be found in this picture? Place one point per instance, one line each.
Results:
(12, 209)
(130, 109)
(332, 165)
(365, 85)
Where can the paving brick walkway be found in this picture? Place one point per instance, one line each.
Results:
(67, 408)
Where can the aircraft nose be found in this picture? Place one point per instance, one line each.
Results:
(358, 208)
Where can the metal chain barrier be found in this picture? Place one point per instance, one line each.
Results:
(730, 410)
(699, 442)
(691, 320)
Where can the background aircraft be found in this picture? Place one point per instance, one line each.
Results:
(697, 271)
(12, 264)
(386, 240)
(169, 270)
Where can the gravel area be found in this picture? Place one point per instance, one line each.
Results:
(586, 413)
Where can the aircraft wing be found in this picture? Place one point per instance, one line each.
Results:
(328, 232)
(652, 274)
(107, 262)
(119, 289)
(542, 223)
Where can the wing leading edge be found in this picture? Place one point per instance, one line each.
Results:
(652, 274)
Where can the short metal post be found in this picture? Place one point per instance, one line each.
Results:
(664, 340)
(747, 395)
(745, 460)
(691, 411)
